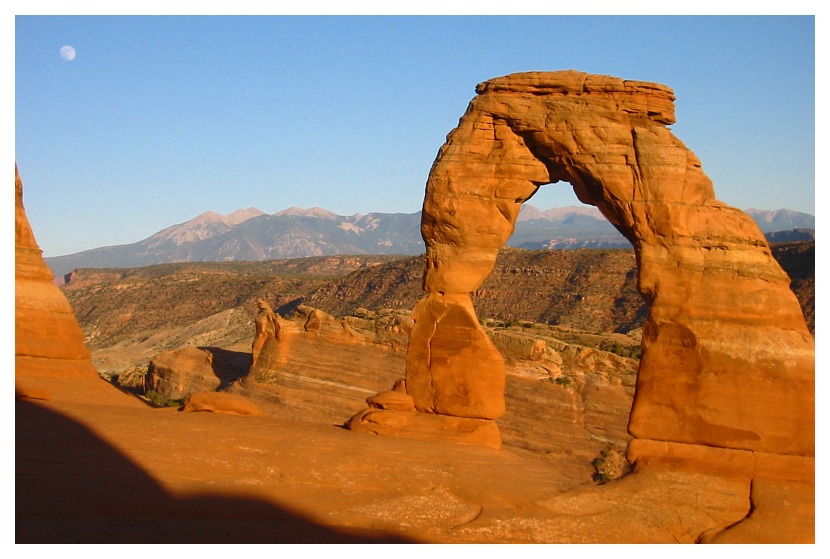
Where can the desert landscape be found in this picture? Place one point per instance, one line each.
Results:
(474, 394)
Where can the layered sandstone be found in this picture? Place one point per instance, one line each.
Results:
(727, 359)
(48, 340)
(178, 373)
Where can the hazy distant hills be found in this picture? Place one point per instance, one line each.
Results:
(251, 235)
(570, 227)
(291, 233)
(780, 220)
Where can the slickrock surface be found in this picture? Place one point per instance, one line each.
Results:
(118, 471)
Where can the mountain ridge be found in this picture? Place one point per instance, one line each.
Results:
(251, 234)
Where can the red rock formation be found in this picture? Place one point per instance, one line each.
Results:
(446, 340)
(48, 341)
(727, 359)
(725, 332)
(95, 465)
(179, 373)
(267, 326)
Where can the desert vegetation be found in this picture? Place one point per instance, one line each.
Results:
(585, 290)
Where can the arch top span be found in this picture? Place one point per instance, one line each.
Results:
(607, 137)
(653, 100)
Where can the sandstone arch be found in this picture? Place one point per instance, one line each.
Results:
(728, 361)
(727, 358)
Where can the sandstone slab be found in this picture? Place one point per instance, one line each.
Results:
(220, 402)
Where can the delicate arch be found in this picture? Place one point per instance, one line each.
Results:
(727, 358)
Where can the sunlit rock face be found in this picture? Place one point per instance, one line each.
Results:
(179, 373)
(452, 367)
(727, 358)
(48, 340)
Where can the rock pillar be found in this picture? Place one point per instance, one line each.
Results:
(49, 343)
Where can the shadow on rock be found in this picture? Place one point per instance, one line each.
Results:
(72, 487)
(228, 366)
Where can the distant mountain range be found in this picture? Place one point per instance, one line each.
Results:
(251, 234)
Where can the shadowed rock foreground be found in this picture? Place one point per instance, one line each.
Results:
(97, 465)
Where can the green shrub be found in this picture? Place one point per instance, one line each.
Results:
(161, 400)
(623, 350)
(563, 381)
(609, 465)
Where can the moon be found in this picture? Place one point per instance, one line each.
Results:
(68, 53)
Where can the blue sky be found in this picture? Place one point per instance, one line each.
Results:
(158, 119)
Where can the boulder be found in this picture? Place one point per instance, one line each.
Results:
(392, 400)
(317, 320)
(179, 373)
(220, 402)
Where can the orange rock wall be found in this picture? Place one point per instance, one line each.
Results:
(48, 340)
(727, 361)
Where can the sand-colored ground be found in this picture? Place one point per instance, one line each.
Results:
(96, 465)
